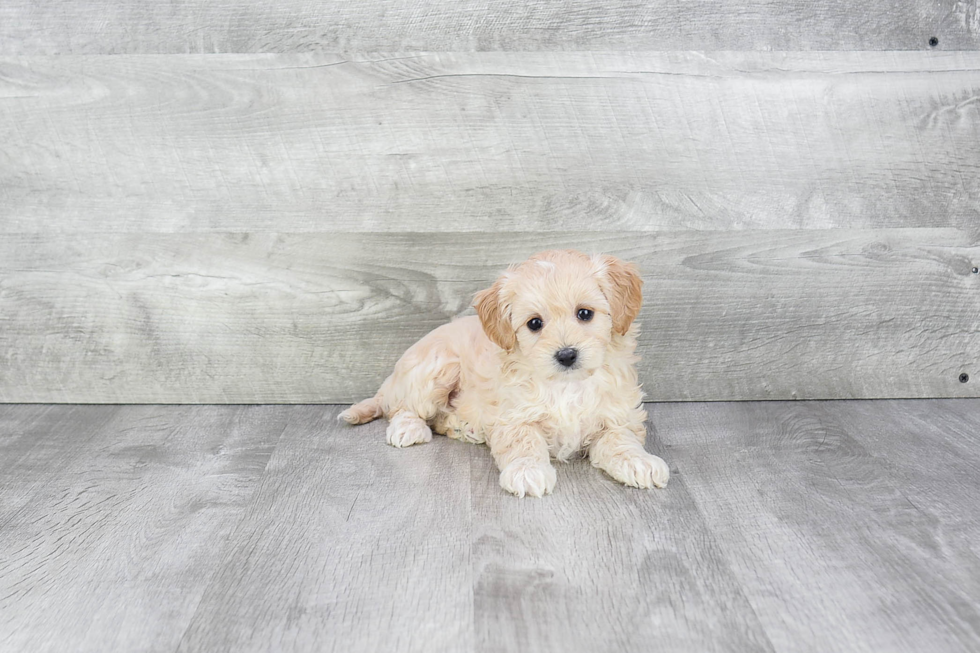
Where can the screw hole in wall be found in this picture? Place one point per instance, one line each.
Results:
(964, 377)
(933, 42)
(975, 270)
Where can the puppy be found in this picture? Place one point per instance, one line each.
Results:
(545, 370)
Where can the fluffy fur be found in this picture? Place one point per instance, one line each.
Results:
(490, 378)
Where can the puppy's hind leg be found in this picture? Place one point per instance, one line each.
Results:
(406, 429)
(418, 390)
(450, 425)
(362, 412)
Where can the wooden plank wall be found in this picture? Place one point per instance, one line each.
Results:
(205, 202)
(210, 26)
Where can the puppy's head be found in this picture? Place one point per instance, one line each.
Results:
(560, 309)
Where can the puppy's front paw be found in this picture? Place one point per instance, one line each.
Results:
(404, 431)
(638, 469)
(527, 476)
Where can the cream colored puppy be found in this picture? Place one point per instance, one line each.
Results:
(546, 370)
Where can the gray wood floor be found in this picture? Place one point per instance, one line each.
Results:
(806, 526)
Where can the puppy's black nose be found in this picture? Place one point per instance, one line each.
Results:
(566, 356)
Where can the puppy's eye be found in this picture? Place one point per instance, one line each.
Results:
(585, 314)
(535, 324)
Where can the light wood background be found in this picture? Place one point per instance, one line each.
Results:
(210, 26)
(262, 221)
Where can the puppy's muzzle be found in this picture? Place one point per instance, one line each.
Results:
(566, 356)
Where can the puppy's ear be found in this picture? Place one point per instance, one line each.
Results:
(621, 284)
(494, 315)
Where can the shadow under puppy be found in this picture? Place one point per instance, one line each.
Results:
(546, 369)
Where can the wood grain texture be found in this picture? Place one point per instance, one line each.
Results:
(935, 464)
(111, 518)
(347, 541)
(27, 466)
(806, 526)
(197, 26)
(820, 529)
(234, 318)
(599, 567)
(490, 142)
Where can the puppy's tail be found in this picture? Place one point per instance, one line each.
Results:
(363, 412)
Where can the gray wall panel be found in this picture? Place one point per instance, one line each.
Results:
(490, 142)
(207, 26)
(240, 318)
